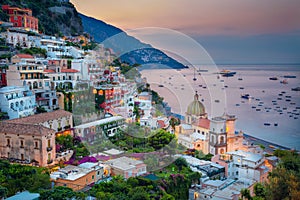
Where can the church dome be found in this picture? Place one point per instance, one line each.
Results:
(196, 107)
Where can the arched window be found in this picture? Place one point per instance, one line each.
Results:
(222, 139)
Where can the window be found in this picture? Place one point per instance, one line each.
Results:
(22, 156)
(93, 177)
(22, 143)
(222, 140)
(70, 77)
(8, 142)
(36, 144)
(53, 78)
(58, 78)
(49, 143)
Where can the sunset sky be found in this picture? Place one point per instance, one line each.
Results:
(237, 31)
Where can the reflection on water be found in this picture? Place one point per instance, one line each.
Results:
(272, 113)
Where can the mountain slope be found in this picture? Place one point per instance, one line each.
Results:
(129, 48)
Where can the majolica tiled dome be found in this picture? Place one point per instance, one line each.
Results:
(196, 107)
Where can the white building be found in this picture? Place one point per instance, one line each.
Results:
(17, 101)
(56, 47)
(89, 68)
(246, 166)
(109, 126)
(64, 78)
(15, 38)
(28, 72)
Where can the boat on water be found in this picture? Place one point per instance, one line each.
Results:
(273, 78)
(160, 85)
(267, 124)
(227, 73)
(246, 96)
(296, 89)
(289, 76)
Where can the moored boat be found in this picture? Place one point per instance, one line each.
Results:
(296, 89)
(227, 73)
(289, 76)
(246, 96)
(273, 78)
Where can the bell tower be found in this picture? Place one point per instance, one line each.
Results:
(217, 136)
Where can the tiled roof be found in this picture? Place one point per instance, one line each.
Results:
(25, 56)
(69, 71)
(49, 71)
(43, 117)
(24, 129)
(203, 123)
(161, 123)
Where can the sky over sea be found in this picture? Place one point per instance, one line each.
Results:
(232, 31)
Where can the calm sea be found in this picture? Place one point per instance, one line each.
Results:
(272, 114)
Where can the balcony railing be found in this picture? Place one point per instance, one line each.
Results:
(49, 148)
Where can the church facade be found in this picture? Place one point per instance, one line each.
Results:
(214, 136)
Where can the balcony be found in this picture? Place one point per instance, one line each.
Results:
(67, 127)
(49, 148)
